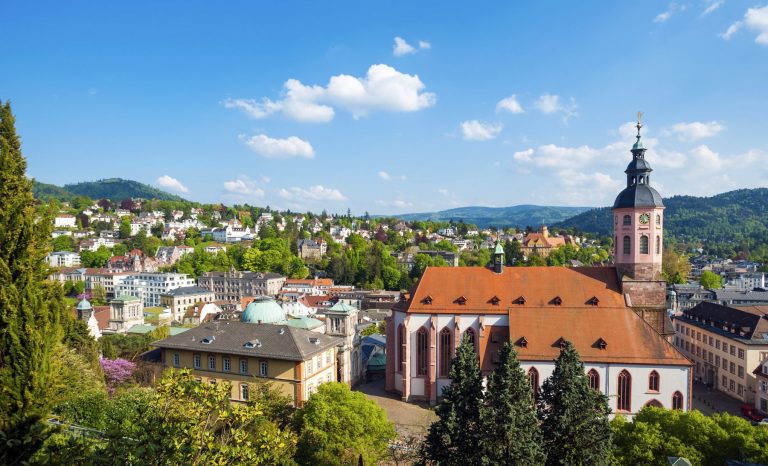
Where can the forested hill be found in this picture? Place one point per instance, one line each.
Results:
(515, 216)
(112, 188)
(731, 217)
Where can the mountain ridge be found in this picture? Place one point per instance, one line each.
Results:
(115, 189)
(519, 216)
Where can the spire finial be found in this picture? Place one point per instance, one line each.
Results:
(639, 123)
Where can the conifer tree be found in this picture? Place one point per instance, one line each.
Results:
(510, 429)
(455, 437)
(574, 417)
(30, 311)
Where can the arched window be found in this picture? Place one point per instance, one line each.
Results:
(653, 382)
(627, 245)
(594, 379)
(445, 352)
(401, 347)
(658, 219)
(658, 244)
(533, 377)
(624, 392)
(627, 220)
(677, 400)
(422, 348)
(643, 244)
(615, 219)
(469, 334)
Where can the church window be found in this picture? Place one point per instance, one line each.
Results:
(653, 381)
(594, 379)
(533, 377)
(627, 245)
(401, 346)
(445, 352)
(658, 219)
(627, 220)
(658, 244)
(624, 398)
(677, 400)
(643, 244)
(421, 351)
(469, 334)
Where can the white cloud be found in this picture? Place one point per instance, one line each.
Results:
(279, 148)
(243, 186)
(384, 176)
(713, 5)
(755, 19)
(696, 130)
(315, 193)
(402, 47)
(399, 203)
(477, 131)
(523, 155)
(550, 104)
(665, 15)
(172, 183)
(509, 104)
(705, 157)
(383, 88)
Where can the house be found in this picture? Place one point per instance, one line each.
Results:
(125, 312)
(63, 259)
(234, 285)
(295, 361)
(95, 243)
(179, 299)
(761, 386)
(64, 221)
(311, 287)
(542, 243)
(311, 250)
(200, 313)
(150, 286)
(169, 255)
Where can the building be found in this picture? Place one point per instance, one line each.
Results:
(761, 387)
(750, 280)
(726, 344)
(150, 286)
(311, 250)
(234, 285)
(308, 287)
(85, 312)
(541, 243)
(64, 221)
(63, 259)
(179, 299)
(341, 321)
(125, 312)
(200, 313)
(614, 317)
(168, 255)
(295, 361)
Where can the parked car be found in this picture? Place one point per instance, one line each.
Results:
(751, 413)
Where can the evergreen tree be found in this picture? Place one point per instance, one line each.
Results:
(30, 310)
(454, 438)
(510, 430)
(574, 417)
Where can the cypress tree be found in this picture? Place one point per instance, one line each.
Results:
(30, 310)
(574, 417)
(510, 433)
(455, 437)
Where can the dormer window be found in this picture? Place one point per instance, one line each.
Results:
(208, 340)
(427, 300)
(495, 300)
(561, 343)
(461, 300)
(593, 301)
(520, 300)
(601, 344)
(253, 344)
(557, 301)
(522, 342)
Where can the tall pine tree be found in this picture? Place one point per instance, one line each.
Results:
(30, 310)
(454, 438)
(510, 430)
(574, 417)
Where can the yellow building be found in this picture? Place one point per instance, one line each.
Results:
(296, 361)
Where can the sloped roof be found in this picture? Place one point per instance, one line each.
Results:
(188, 290)
(230, 337)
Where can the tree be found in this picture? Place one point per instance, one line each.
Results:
(710, 280)
(63, 243)
(125, 227)
(574, 417)
(458, 429)
(675, 267)
(339, 426)
(31, 310)
(510, 431)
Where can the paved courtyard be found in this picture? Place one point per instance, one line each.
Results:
(712, 401)
(410, 419)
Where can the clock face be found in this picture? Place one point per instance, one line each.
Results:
(644, 218)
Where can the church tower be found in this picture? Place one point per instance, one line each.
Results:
(638, 221)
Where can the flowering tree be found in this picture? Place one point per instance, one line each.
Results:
(117, 372)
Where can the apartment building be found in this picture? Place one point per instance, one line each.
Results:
(150, 286)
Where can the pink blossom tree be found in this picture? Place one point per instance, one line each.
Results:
(117, 372)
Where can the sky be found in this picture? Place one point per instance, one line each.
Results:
(390, 107)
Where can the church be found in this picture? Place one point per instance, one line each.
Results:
(615, 316)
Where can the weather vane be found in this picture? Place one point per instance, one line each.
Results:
(639, 124)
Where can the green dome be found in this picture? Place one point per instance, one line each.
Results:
(84, 305)
(264, 310)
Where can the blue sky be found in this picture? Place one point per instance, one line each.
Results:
(390, 107)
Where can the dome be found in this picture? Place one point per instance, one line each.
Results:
(638, 195)
(264, 310)
(84, 305)
(638, 164)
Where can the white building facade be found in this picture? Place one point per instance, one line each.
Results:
(149, 286)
